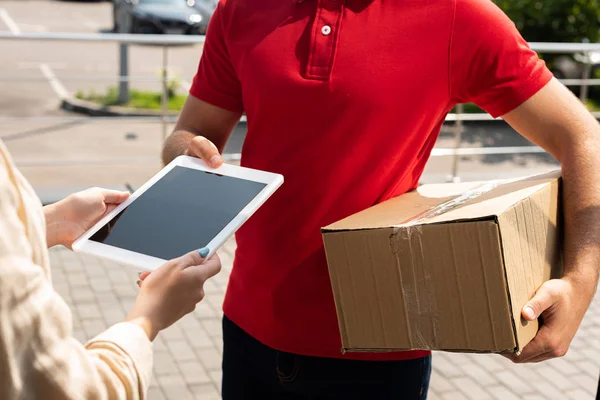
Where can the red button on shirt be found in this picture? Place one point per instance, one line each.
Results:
(345, 98)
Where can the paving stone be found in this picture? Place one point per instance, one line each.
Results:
(164, 364)
(479, 374)
(113, 316)
(489, 362)
(439, 382)
(563, 365)
(95, 270)
(215, 301)
(216, 376)
(174, 387)
(93, 327)
(194, 373)
(155, 393)
(580, 394)
(511, 380)
(533, 397)
(100, 284)
(71, 266)
(127, 302)
(124, 290)
(210, 358)
(181, 350)
(559, 380)
(460, 359)
(586, 383)
(62, 288)
(80, 335)
(159, 344)
(189, 322)
(88, 310)
(119, 276)
(83, 294)
(445, 367)
(174, 332)
(204, 311)
(502, 393)
(77, 279)
(211, 287)
(213, 327)
(454, 396)
(527, 372)
(205, 392)
(471, 389)
(218, 345)
(198, 338)
(433, 395)
(548, 390)
(589, 368)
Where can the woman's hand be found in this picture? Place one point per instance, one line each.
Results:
(70, 218)
(173, 291)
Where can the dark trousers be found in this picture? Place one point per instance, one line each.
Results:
(252, 370)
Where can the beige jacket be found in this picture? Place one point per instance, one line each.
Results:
(39, 358)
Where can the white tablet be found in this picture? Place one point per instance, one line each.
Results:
(185, 207)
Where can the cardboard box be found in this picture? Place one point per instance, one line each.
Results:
(446, 267)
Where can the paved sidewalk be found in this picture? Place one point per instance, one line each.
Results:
(188, 355)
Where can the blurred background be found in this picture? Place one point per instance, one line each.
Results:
(91, 88)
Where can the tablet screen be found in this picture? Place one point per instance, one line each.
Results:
(181, 212)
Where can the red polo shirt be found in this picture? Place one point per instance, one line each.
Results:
(345, 98)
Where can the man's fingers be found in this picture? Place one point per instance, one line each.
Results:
(114, 197)
(534, 349)
(544, 346)
(205, 150)
(543, 299)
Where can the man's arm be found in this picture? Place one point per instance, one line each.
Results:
(201, 131)
(557, 121)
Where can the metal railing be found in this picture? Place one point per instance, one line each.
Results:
(457, 118)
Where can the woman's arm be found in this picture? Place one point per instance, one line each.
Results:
(38, 356)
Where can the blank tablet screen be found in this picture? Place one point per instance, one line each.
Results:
(181, 212)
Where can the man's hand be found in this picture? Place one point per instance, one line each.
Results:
(205, 150)
(557, 121)
(70, 218)
(202, 131)
(561, 304)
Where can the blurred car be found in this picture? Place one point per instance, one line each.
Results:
(173, 17)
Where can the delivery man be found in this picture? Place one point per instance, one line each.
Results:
(346, 98)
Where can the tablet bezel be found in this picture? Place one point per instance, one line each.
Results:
(145, 262)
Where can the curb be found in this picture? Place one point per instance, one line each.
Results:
(95, 110)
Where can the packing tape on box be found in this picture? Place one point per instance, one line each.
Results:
(451, 204)
(421, 311)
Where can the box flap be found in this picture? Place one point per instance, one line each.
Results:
(530, 232)
(446, 202)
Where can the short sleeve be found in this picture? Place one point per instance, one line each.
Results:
(491, 64)
(216, 81)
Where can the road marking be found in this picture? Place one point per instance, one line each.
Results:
(10, 23)
(57, 86)
(86, 21)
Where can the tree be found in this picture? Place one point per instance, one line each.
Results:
(555, 20)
